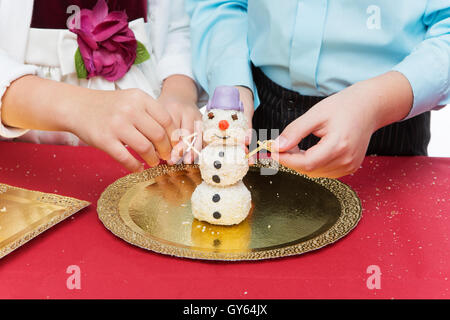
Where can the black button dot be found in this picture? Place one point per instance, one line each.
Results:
(221, 154)
(216, 242)
(216, 198)
(217, 215)
(217, 164)
(216, 178)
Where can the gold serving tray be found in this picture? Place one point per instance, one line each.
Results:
(291, 214)
(24, 214)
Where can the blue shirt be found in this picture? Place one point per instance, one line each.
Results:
(319, 47)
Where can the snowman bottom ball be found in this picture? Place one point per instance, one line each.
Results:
(221, 206)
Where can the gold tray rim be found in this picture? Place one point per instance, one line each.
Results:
(71, 205)
(107, 209)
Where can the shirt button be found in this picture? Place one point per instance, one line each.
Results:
(290, 104)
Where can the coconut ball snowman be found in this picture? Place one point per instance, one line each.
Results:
(222, 198)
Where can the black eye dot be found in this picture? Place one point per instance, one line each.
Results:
(217, 215)
(210, 115)
(217, 164)
(216, 242)
(216, 198)
(234, 117)
(221, 154)
(216, 178)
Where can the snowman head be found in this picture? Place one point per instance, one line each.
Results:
(224, 119)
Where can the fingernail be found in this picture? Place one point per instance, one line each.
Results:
(187, 158)
(173, 158)
(280, 143)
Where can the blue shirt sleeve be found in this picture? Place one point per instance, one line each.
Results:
(428, 66)
(219, 43)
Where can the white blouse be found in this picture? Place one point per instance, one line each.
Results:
(169, 38)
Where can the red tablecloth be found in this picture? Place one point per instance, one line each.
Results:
(404, 231)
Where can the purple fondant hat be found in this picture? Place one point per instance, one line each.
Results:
(225, 98)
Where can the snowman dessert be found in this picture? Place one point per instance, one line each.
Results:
(222, 198)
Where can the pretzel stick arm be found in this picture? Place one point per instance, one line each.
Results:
(267, 145)
(191, 144)
(255, 151)
(191, 136)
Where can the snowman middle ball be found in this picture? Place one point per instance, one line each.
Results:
(223, 165)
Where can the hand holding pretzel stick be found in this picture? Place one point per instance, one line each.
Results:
(264, 145)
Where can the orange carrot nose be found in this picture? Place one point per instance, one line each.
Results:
(223, 125)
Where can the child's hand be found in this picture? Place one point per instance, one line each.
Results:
(344, 122)
(179, 99)
(187, 119)
(344, 131)
(107, 120)
(113, 119)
